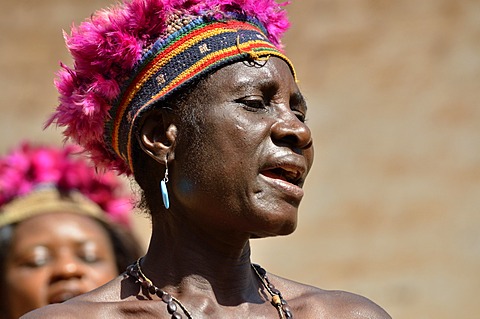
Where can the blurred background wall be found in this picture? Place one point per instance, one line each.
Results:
(393, 201)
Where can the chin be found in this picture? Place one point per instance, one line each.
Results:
(283, 229)
(287, 229)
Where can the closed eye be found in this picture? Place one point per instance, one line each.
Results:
(36, 263)
(253, 104)
(300, 116)
(298, 105)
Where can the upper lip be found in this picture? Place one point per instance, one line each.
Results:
(290, 167)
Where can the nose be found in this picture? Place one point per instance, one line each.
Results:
(290, 131)
(67, 266)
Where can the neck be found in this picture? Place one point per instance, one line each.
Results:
(185, 260)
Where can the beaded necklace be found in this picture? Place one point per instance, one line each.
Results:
(173, 304)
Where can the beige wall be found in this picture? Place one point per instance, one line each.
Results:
(393, 201)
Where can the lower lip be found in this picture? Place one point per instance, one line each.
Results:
(285, 187)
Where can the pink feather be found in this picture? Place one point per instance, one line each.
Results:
(28, 167)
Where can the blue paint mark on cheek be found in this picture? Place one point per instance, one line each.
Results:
(187, 186)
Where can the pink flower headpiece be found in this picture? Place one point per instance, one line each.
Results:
(29, 168)
(108, 48)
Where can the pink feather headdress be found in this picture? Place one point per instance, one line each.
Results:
(30, 168)
(108, 47)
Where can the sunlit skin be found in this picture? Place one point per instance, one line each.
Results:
(253, 135)
(55, 257)
(240, 175)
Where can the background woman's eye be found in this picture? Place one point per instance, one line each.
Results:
(39, 257)
(89, 257)
(38, 261)
(89, 253)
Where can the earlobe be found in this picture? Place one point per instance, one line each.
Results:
(157, 137)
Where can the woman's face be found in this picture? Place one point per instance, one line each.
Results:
(245, 167)
(54, 257)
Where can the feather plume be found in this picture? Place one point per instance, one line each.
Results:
(29, 167)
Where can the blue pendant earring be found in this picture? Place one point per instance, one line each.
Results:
(163, 186)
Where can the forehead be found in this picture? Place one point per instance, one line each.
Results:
(271, 71)
(54, 227)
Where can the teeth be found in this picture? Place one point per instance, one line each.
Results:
(289, 174)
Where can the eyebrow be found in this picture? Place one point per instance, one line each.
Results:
(249, 83)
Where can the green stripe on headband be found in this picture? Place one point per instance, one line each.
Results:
(199, 48)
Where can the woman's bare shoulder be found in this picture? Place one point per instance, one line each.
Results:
(312, 302)
(341, 304)
(64, 310)
(107, 301)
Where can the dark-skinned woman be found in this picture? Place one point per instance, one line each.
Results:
(64, 229)
(197, 101)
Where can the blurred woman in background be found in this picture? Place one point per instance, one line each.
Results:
(64, 230)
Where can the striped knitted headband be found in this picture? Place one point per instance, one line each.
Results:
(49, 200)
(198, 48)
(132, 56)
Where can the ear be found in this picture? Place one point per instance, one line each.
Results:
(157, 136)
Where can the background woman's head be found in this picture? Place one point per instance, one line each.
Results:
(63, 229)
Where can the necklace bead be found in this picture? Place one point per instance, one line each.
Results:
(135, 271)
(173, 304)
(277, 299)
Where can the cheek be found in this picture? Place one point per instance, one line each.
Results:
(27, 289)
(218, 158)
(102, 274)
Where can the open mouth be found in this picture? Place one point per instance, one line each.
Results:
(290, 175)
